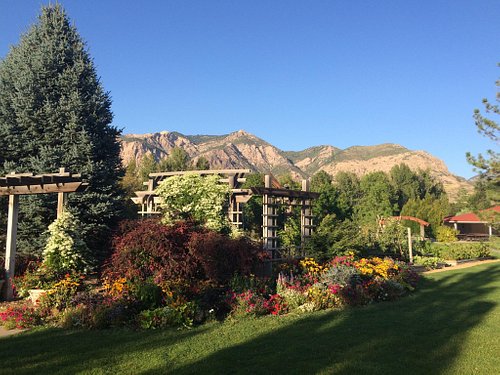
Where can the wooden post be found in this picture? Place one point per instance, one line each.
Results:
(269, 219)
(233, 211)
(410, 250)
(149, 198)
(422, 231)
(306, 217)
(10, 254)
(61, 197)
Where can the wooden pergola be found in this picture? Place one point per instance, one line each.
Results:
(16, 184)
(273, 195)
(421, 222)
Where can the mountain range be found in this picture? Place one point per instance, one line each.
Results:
(241, 149)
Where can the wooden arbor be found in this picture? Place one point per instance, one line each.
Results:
(16, 184)
(273, 197)
(421, 222)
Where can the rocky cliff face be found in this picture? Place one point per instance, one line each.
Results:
(244, 150)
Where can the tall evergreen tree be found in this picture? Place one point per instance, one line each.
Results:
(489, 167)
(55, 113)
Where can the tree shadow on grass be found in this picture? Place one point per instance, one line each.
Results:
(57, 351)
(420, 334)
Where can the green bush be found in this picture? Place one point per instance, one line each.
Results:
(430, 262)
(168, 316)
(422, 247)
(460, 250)
(334, 237)
(446, 234)
(148, 294)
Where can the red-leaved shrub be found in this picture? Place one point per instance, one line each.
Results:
(148, 249)
(221, 257)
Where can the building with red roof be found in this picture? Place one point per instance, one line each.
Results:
(473, 226)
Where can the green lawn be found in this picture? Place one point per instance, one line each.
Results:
(450, 326)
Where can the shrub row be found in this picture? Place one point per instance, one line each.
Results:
(459, 250)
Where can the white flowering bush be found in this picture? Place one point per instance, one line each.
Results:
(65, 251)
(191, 196)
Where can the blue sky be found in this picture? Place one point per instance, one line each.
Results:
(296, 73)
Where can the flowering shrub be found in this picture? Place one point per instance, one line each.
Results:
(248, 303)
(293, 298)
(389, 290)
(356, 294)
(344, 260)
(383, 268)
(65, 250)
(192, 197)
(406, 277)
(276, 305)
(252, 303)
(324, 297)
(116, 288)
(19, 316)
(309, 265)
(60, 295)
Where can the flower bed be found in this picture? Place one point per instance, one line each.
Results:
(307, 286)
(345, 281)
(182, 275)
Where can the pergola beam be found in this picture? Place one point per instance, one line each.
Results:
(201, 172)
(67, 187)
(286, 193)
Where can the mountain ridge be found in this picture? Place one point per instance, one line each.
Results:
(241, 149)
